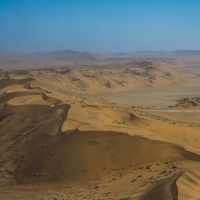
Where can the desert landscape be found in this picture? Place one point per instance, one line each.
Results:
(79, 125)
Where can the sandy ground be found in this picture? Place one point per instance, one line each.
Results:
(100, 133)
(158, 98)
(160, 103)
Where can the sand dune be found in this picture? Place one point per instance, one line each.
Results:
(181, 186)
(57, 141)
(73, 156)
(69, 156)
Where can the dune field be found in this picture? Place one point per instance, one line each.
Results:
(100, 128)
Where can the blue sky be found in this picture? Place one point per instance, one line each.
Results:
(99, 25)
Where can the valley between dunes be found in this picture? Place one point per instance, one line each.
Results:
(57, 141)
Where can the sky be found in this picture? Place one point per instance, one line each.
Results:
(104, 26)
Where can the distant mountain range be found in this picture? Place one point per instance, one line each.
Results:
(89, 56)
(69, 54)
(176, 53)
(187, 52)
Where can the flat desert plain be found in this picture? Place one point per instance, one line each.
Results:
(99, 128)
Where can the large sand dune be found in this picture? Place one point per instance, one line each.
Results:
(57, 143)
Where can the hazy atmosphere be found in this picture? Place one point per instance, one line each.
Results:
(100, 25)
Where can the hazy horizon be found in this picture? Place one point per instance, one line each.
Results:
(99, 52)
(99, 26)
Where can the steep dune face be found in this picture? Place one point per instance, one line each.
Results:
(188, 184)
(166, 189)
(178, 187)
(26, 129)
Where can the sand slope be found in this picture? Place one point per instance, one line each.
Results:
(67, 157)
(188, 184)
